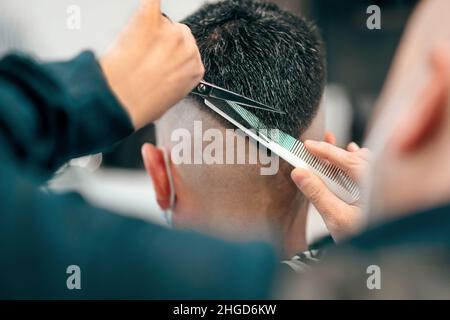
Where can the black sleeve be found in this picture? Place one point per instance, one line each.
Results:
(49, 114)
(53, 112)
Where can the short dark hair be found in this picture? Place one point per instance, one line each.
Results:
(265, 53)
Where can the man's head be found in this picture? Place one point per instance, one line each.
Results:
(267, 54)
(411, 131)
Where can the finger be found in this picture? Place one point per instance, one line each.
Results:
(186, 30)
(330, 138)
(186, 37)
(190, 39)
(317, 192)
(153, 6)
(335, 155)
(365, 154)
(167, 17)
(151, 10)
(352, 147)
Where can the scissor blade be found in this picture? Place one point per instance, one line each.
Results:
(259, 106)
(206, 90)
(223, 94)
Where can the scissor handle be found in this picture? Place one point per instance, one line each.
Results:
(202, 89)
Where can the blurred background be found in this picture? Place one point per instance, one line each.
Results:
(358, 60)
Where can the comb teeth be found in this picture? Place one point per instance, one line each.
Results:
(298, 149)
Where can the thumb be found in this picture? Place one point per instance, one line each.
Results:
(326, 203)
(151, 10)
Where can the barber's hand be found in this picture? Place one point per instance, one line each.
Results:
(341, 219)
(154, 64)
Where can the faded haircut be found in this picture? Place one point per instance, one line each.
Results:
(258, 50)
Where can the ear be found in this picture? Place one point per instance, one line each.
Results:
(156, 168)
(425, 118)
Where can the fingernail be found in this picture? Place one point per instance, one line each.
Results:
(354, 145)
(311, 143)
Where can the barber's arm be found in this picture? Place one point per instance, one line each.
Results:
(51, 113)
(341, 219)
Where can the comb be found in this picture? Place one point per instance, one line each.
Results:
(288, 148)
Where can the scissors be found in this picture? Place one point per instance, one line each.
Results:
(208, 90)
